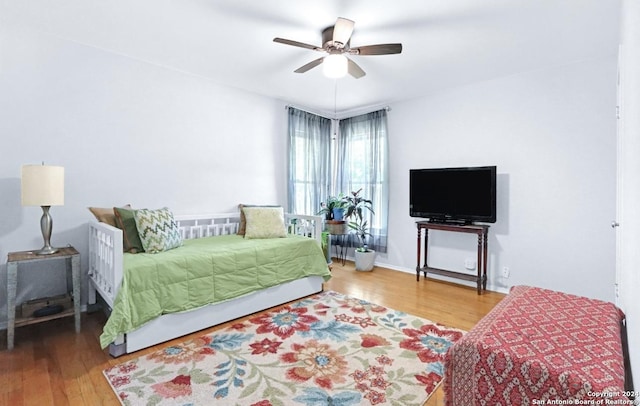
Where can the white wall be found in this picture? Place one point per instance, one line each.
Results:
(126, 132)
(629, 194)
(551, 134)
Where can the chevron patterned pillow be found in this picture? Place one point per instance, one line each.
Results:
(157, 229)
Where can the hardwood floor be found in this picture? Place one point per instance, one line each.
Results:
(51, 365)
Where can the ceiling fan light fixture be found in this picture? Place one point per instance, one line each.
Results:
(336, 42)
(335, 66)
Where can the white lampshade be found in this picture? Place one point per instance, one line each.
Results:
(335, 66)
(42, 185)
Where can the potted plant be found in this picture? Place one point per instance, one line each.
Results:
(355, 207)
(333, 211)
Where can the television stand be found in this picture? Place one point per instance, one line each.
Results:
(481, 230)
(450, 222)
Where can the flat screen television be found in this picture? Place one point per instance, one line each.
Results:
(456, 195)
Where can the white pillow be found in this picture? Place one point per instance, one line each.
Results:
(264, 222)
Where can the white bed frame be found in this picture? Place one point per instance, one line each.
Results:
(106, 271)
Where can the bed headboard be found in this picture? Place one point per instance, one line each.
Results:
(207, 225)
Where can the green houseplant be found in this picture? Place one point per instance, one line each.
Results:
(333, 210)
(355, 205)
(333, 202)
(355, 208)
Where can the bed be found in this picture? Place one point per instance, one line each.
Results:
(539, 346)
(152, 298)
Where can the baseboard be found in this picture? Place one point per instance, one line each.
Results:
(490, 287)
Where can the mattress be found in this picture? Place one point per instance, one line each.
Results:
(204, 271)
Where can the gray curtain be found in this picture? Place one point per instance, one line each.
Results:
(309, 161)
(364, 163)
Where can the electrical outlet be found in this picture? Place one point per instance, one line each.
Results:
(506, 271)
(470, 264)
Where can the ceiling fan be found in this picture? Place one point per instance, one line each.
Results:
(336, 42)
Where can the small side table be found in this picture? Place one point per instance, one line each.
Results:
(72, 259)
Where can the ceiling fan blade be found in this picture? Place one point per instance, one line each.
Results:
(380, 49)
(297, 44)
(342, 30)
(309, 66)
(355, 70)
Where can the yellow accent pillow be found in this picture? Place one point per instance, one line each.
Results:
(264, 222)
(242, 227)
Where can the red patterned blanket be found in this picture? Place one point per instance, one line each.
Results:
(538, 345)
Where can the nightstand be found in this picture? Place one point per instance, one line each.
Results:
(72, 260)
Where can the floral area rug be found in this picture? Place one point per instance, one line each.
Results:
(328, 349)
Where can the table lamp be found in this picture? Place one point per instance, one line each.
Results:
(43, 185)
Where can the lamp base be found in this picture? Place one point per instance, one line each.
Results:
(46, 225)
(46, 250)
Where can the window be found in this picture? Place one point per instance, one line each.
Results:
(309, 161)
(361, 162)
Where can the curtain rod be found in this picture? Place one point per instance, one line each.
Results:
(286, 106)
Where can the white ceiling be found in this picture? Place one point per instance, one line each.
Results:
(446, 42)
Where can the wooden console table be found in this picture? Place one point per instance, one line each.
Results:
(480, 230)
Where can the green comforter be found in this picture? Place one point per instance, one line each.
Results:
(207, 270)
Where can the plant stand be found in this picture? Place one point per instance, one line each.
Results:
(336, 227)
(365, 260)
